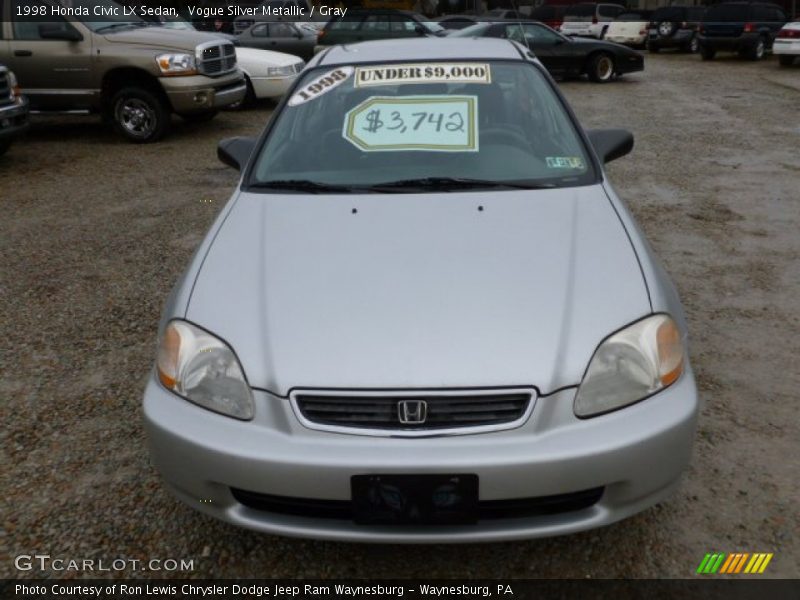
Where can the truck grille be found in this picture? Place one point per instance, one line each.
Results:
(5, 89)
(404, 413)
(216, 59)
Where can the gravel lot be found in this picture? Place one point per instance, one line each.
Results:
(94, 232)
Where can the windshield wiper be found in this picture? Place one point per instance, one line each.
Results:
(453, 183)
(305, 185)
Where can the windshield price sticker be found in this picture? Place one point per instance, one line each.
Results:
(564, 162)
(423, 73)
(429, 123)
(321, 85)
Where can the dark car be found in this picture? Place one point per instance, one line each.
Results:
(562, 55)
(551, 15)
(458, 21)
(280, 36)
(748, 28)
(365, 25)
(13, 109)
(275, 10)
(675, 27)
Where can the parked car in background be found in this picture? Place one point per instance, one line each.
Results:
(630, 28)
(268, 74)
(366, 25)
(301, 7)
(748, 28)
(590, 19)
(458, 21)
(142, 76)
(501, 13)
(551, 15)
(13, 109)
(280, 36)
(787, 44)
(675, 27)
(562, 55)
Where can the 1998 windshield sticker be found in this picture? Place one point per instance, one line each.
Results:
(428, 123)
(321, 85)
(423, 73)
(564, 162)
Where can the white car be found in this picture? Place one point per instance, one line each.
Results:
(268, 74)
(590, 19)
(787, 44)
(629, 28)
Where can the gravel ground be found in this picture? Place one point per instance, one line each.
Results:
(95, 231)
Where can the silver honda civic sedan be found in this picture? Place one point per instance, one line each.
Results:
(423, 315)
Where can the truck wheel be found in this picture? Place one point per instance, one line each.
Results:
(200, 117)
(707, 53)
(140, 115)
(249, 97)
(786, 60)
(693, 46)
(601, 68)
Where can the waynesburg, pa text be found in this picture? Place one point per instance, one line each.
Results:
(275, 590)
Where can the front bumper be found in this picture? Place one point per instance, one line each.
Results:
(14, 118)
(636, 454)
(198, 93)
(272, 87)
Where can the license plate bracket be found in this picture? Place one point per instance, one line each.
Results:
(430, 499)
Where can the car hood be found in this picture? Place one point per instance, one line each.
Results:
(162, 37)
(260, 60)
(419, 291)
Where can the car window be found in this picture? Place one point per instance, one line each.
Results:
(27, 28)
(726, 13)
(529, 33)
(777, 15)
(378, 23)
(360, 126)
(259, 31)
(345, 24)
(402, 24)
(280, 30)
(581, 10)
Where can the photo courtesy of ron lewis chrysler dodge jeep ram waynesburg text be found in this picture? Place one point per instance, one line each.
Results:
(423, 315)
(134, 74)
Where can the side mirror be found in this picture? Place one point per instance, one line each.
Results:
(57, 32)
(236, 151)
(611, 144)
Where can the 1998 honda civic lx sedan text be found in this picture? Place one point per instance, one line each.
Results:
(423, 316)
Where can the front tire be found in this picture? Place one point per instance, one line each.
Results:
(249, 97)
(693, 46)
(140, 115)
(601, 68)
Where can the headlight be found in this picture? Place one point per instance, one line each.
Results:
(283, 71)
(204, 370)
(13, 85)
(631, 365)
(176, 64)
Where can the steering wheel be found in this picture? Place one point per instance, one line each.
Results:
(506, 135)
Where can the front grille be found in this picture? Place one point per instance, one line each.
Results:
(5, 90)
(216, 59)
(518, 508)
(437, 412)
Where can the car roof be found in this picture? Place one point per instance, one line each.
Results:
(421, 49)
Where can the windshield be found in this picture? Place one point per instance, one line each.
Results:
(460, 123)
